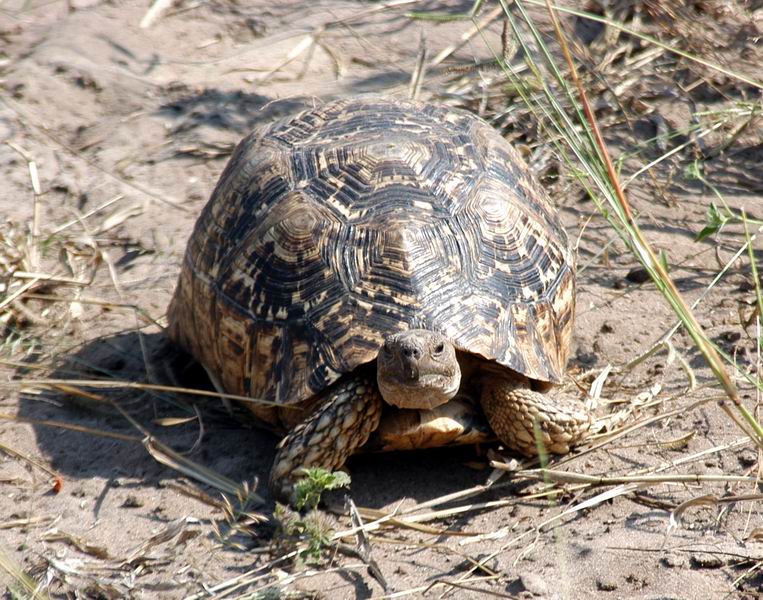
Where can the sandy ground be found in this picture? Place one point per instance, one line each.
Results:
(129, 129)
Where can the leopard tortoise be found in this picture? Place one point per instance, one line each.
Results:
(378, 264)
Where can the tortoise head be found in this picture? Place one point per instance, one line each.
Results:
(417, 369)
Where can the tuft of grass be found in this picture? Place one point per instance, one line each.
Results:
(240, 519)
(309, 534)
(20, 584)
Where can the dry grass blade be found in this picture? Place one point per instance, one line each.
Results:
(565, 477)
(72, 427)
(170, 531)
(19, 583)
(516, 540)
(306, 44)
(468, 35)
(417, 78)
(419, 591)
(35, 179)
(174, 421)
(48, 277)
(386, 520)
(74, 386)
(169, 458)
(86, 215)
(157, 9)
(195, 493)
(618, 490)
(18, 293)
(116, 218)
(749, 573)
(27, 522)
(364, 546)
(611, 437)
(677, 443)
(227, 587)
(460, 495)
(309, 42)
(677, 514)
(758, 312)
(54, 535)
(755, 535)
(471, 588)
(412, 521)
(11, 452)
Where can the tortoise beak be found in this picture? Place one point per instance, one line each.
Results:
(410, 368)
(409, 357)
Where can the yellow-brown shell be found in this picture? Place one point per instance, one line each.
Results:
(332, 228)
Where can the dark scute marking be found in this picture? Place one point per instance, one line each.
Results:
(304, 165)
(298, 128)
(241, 223)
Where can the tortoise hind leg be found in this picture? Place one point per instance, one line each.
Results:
(346, 415)
(513, 409)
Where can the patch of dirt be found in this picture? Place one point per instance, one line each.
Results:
(129, 129)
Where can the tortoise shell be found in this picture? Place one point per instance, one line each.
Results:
(337, 226)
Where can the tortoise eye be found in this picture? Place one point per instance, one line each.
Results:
(439, 349)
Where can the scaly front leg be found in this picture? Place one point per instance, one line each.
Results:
(513, 409)
(346, 416)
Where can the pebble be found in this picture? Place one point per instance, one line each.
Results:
(132, 501)
(672, 561)
(605, 584)
(530, 582)
(638, 275)
(704, 560)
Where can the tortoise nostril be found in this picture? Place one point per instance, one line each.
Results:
(412, 352)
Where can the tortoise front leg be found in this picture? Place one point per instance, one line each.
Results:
(347, 414)
(513, 409)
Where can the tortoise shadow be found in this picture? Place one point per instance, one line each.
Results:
(135, 357)
(230, 111)
(200, 428)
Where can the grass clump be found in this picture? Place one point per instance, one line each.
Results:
(308, 534)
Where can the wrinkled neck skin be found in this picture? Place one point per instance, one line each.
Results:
(418, 369)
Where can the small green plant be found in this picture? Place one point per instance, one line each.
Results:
(717, 220)
(317, 481)
(314, 528)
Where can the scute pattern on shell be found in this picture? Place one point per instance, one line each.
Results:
(330, 229)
